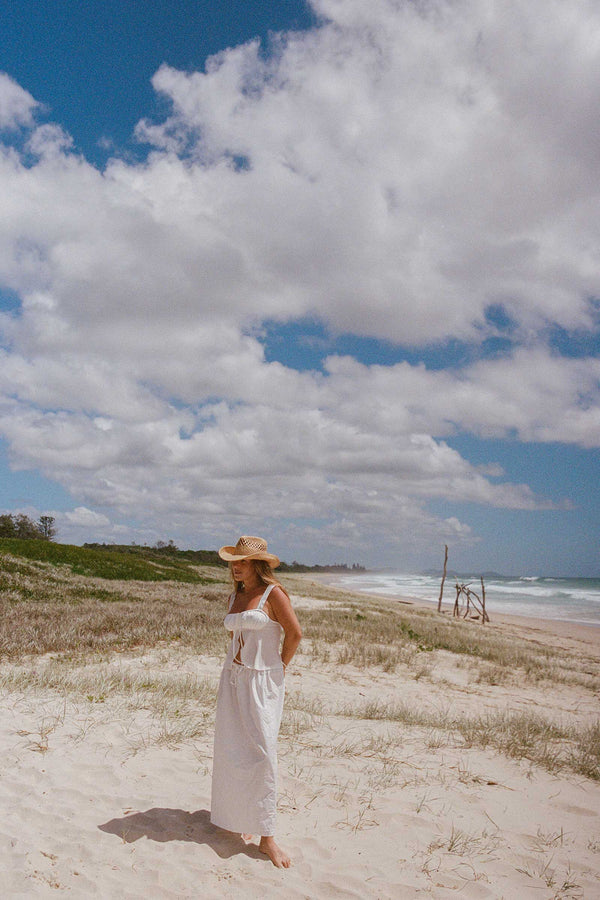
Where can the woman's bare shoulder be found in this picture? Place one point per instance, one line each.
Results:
(279, 595)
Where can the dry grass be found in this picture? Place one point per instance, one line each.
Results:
(47, 609)
(564, 885)
(98, 682)
(94, 626)
(81, 622)
(380, 632)
(173, 707)
(463, 843)
(520, 735)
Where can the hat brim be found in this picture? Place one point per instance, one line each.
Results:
(229, 554)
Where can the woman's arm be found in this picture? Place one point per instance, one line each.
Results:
(283, 612)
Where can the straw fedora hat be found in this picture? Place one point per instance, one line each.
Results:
(249, 548)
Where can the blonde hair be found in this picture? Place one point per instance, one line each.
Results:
(264, 573)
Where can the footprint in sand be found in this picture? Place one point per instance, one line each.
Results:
(313, 849)
(576, 810)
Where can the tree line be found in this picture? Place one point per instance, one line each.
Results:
(212, 558)
(22, 527)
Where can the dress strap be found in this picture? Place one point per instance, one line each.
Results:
(263, 599)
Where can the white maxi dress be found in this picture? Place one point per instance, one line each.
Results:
(249, 708)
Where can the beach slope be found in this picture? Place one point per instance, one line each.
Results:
(450, 763)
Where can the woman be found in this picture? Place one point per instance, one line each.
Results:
(250, 698)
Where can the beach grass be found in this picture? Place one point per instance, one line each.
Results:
(98, 626)
(71, 633)
(382, 633)
(48, 607)
(519, 735)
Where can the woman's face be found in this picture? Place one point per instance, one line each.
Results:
(243, 569)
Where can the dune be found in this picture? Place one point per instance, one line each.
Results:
(388, 787)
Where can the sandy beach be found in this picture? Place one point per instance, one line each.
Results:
(105, 778)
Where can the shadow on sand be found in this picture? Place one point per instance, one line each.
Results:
(178, 825)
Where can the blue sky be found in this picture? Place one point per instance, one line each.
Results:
(317, 271)
(91, 63)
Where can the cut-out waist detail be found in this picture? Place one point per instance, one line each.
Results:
(256, 648)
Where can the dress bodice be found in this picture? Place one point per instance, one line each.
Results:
(249, 620)
(256, 637)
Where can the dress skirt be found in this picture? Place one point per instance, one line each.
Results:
(244, 781)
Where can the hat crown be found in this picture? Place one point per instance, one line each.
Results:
(249, 547)
(249, 544)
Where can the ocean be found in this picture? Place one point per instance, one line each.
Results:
(565, 599)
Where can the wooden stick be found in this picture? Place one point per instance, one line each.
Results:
(443, 577)
(485, 618)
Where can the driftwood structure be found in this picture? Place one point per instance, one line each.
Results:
(470, 605)
(467, 604)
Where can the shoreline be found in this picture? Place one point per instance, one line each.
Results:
(586, 632)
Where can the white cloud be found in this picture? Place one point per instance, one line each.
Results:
(395, 161)
(532, 394)
(87, 518)
(16, 104)
(397, 171)
(49, 141)
(84, 525)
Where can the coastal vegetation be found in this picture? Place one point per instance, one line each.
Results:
(122, 563)
(22, 527)
(80, 622)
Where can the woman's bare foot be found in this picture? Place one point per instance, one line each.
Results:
(246, 838)
(277, 856)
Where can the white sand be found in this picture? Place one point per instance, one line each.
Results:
(95, 805)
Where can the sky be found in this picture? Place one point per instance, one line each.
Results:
(326, 272)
